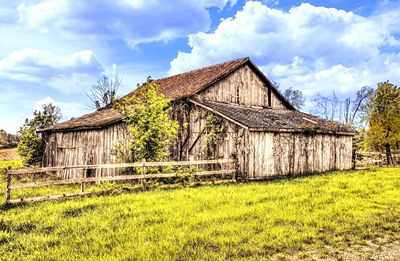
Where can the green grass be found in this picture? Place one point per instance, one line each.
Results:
(15, 164)
(243, 221)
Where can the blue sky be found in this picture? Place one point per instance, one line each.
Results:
(53, 50)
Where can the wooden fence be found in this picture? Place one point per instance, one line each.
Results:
(368, 159)
(227, 167)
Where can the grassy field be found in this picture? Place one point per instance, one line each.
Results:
(242, 221)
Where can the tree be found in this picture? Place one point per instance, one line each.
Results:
(3, 140)
(361, 106)
(384, 118)
(352, 113)
(151, 129)
(295, 97)
(8, 140)
(326, 107)
(30, 146)
(104, 91)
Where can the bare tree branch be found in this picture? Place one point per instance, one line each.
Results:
(104, 91)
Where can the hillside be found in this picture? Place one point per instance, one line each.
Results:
(9, 154)
(317, 216)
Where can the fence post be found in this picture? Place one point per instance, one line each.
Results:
(8, 184)
(192, 178)
(83, 184)
(143, 171)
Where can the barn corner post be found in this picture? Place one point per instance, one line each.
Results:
(8, 185)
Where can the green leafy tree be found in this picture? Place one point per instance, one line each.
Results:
(295, 97)
(151, 129)
(30, 145)
(384, 118)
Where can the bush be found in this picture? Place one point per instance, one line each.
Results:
(30, 146)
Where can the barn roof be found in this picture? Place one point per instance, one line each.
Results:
(94, 120)
(174, 87)
(266, 119)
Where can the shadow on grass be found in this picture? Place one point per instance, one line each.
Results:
(327, 173)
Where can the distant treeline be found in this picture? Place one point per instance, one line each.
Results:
(8, 140)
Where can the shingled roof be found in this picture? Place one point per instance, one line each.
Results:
(94, 120)
(174, 87)
(264, 119)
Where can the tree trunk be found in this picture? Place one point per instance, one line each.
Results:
(388, 154)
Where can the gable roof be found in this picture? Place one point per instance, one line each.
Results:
(265, 119)
(174, 87)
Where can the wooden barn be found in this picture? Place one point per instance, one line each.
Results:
(256, 125)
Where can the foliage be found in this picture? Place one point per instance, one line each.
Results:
(295, 97)
(151, 129)
(14, 164)
(384, 118)
(216, 129)
(8, 140)
(48, 116)
(360, 141)
(30, 146)
(186, 175)
(104, 91)
(252, 221)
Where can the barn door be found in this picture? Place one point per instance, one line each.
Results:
(260, 158)
(69, 156)
(50, 154)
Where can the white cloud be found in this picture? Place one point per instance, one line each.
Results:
(310, 48)
(64, 72)
(135, 21)
(313, 77)
(68, 109)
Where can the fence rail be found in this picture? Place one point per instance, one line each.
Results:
(364, 159)
(83, 180)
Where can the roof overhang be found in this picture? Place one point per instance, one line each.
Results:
(267, 129)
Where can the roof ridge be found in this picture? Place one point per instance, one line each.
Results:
(245, 59)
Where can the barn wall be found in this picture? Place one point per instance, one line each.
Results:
(260, 154)
(83, 147)
(193, 135)
(276, 154)
(242, 87)
(94, 146)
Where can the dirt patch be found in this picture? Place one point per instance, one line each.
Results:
(9, 154)
(385, 248)
(379, 249)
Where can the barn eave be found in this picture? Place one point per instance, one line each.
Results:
(272, 120)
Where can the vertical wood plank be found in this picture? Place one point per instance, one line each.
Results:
(8, 184)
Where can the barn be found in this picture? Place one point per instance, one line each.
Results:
(256, 126)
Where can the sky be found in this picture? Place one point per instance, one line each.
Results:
(54, 50)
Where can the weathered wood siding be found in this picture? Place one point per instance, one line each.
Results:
(83, 147)
(276, 154)
(260, 154)
(242, 87)
(192, 137)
